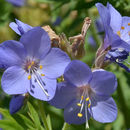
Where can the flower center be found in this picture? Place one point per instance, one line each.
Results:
(85, 94)
(34, 69)
(118, 56)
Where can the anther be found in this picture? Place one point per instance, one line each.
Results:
(129, 33)
(121, 49)
(41, 67)
(87, 99)
(29, 77)
(78, 104)
(118, 33)
(128, 24)
(29, 67)
(89, 105)
(32, 62)
(80, 115)
(122, 27)
(42, 74)
(82, 97)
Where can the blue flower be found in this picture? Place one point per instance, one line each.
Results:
(86, 94)
(117, 34)
(17, 2)
(19, 27)
(32, 65)
(17, 101)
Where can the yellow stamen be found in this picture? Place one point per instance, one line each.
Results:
(122, 27)
(41, 67)
(128, 24)
(32, 62)
(118, 33)
(78, 104)
(89, 105)
(80, 115)
(42, 74)
(29, 67)
(29, 77)
(82, 97)
(87, 99)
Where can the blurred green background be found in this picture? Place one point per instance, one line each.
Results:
(64, 16)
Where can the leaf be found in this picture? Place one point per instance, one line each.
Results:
(49, 122)
(8, 125)
(27, 121)
(9, 122)
(34, 116)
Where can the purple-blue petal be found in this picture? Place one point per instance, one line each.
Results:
(104, 14)
(16, 103)
(125, 33)
(64, 94)
(15, 81)
(77, 73)
(54, 63)
(103, 82)
(116, 19)
(37, 42)
(16, 2)
(115, 41)
(48, 85)
(11, 53)
(19, 27)
(71, 113)
(104, 111)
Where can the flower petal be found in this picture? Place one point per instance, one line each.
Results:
(125, 33)
(55, 63)
(36, 41)
(103, 82)
(116, 19)
(11, 53)
(115, 41)
(105, 111)
(71, 113)
(36, 91)
(15, 81)
(64, 94)
(104, 14)
(17, 2)
(77, 73)
(16, 103)
(20, 27)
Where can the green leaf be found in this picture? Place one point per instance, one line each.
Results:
(27, 121)
(49, 122)
(9, 125)
(9, 121)
(34, 116)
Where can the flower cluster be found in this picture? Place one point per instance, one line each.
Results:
(117, 35)
(32, 67)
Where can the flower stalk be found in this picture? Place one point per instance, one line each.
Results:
(65, 126)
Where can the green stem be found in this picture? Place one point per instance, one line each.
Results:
(123, 105)
(43, 115)
(66, 126)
